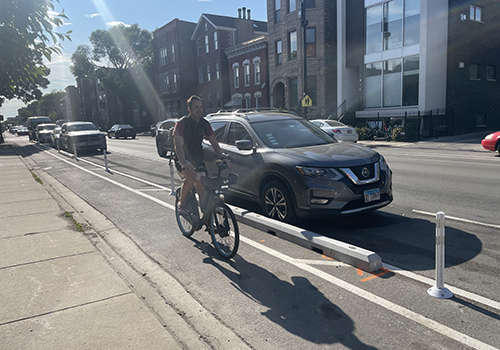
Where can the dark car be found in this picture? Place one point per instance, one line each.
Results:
(121, 130)
(81, 136)
(162, 133)
(294, 169)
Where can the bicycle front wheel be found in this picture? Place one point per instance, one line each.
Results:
(185, 221)
(224, 231)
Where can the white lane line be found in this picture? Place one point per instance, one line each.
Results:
(457, 219)
(451, 333)
(413, 316)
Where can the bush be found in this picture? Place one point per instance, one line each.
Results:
(366, 133)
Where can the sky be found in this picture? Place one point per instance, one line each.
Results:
(85, 16)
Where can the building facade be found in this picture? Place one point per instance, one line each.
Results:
(211, 37)
(174, 62)
(303, 56)
(248, 74)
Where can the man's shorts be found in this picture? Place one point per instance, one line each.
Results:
(200, 171)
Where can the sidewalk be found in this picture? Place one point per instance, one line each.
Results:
(59, 289)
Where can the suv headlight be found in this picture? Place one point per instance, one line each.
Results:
(383, 164)
(319, 173)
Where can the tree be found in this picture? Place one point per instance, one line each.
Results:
(27, 36)
(50, 105)
(127, 49)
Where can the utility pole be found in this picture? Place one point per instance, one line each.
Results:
(304, 23)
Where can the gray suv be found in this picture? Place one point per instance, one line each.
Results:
(292, 168)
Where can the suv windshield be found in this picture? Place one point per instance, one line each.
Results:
(290, 133)
(80, 127)
(48, 127)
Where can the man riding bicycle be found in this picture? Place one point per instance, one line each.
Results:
(188, 136)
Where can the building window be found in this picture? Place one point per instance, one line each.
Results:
(311, 42)
(279, 53)
(206, 26)
(217, 71)
(200, 75)
(173, 53)
(491, 73)
(198, 47)
(236, 73)
(294, 93)
(208, 72)
(310, 4)
(209, 100)
(292, 43)
(207, 48)
(256, 68)
(474, 72)
(392, 83)
(175, 82)
(258, 100)
(411, 71)
(292, 5)
(246, 69)
(216, 41)
(385, 24)
(163, 57)
(373, 85)
(476, 13)
(277, 11)
(217, 97)
(248, 101)
(164, 84)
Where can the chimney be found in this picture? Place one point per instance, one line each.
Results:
(244, 9)
(239, 13)
(248, 11)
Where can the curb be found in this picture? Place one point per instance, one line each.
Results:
(349, 254)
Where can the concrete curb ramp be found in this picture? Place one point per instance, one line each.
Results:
(349, 254)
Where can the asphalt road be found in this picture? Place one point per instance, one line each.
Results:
(277, 295)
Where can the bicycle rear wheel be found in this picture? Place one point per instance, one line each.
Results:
(186, 222)
(224, 231)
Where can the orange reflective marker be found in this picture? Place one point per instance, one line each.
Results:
(384, 271)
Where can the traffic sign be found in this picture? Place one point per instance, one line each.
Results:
(306, 101)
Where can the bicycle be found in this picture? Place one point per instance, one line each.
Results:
(218, 218)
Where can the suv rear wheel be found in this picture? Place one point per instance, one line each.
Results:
(277, 202)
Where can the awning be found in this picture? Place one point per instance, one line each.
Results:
(235, 102)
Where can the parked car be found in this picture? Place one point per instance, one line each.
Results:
(54, 137)
(81, 136)
(13, 129)
(337, 129)
(153, 127)
(43, 132)
(22, 131)
(121, 130)
(162, 136)
(492, 142)
(33, 122)
(294, 169)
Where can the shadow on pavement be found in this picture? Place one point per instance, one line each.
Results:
(321, 322)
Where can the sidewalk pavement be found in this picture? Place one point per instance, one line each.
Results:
(65, 289)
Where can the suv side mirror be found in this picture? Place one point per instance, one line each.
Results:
(244, 145)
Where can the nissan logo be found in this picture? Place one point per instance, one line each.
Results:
(365, 172)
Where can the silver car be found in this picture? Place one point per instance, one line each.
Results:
(81, 136)
(337, 129)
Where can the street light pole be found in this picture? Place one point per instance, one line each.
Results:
(304, 23)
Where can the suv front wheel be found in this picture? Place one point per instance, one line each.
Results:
(277, 202)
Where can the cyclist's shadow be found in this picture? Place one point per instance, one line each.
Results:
(298, 307)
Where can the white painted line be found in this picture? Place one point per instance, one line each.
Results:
(458, 219)
(413, 316)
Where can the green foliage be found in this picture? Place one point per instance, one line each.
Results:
(365, 133)
(50, 105)
(27, 37)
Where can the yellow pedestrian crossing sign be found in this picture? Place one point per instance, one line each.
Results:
(307, 102)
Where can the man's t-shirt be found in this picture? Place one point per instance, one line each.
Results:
(193, 134)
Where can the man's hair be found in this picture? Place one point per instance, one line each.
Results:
(193, 98)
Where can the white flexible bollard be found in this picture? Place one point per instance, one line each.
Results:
(106, 159)
(172, 184)
(74, 151)
(439, 290)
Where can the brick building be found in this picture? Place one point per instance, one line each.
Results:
(174, 62)
(248, 74)
(286, 55)
(212, 36)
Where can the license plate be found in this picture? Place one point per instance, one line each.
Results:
(349, 131)
(372, 195)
